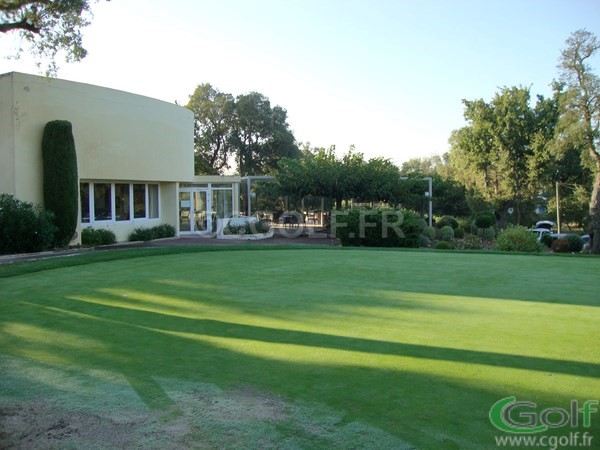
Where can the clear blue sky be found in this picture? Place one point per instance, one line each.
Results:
(385, 75)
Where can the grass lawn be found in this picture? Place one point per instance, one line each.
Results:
(293, 348)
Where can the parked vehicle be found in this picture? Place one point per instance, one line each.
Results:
(586, 242)
(540, 232)
(547, 224)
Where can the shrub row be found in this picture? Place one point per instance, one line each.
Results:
(260, 226)
(92, 237)
(379, 227)
(148, 234)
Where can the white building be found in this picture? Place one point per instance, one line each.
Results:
(135, 156)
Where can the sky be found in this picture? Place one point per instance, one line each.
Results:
(387, 76)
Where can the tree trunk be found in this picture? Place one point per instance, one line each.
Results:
(594, 227)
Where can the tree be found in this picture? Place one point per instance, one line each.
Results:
(321, 173)
(581, 113)
(61, 182)
(261, 135)
(243, 132)
(491, 155)
(214, 114)
(50, 26)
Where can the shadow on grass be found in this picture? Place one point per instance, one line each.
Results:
(129, 317)
(425, 409)
(429, 410)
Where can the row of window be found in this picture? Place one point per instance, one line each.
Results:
(118, 202)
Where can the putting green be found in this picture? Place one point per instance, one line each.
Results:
(369, 348)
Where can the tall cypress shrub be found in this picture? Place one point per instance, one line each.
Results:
(61, 182)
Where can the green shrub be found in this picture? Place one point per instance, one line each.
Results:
(424, 241)
(561, 245)
(443, 245)
(24, 227)
(547, 240)
(485, 220)
(422, 225)
(163, 231)
(141, 234)
(447, 221)
(377, 228)
(61, 182)
(487, 233)
(92, 237)
(464, 223)
(459, 233)
(575, 243)
(148, 234)
(447, 233)
(429, 232)
(517, 239)
(471, 242)
(260, 226)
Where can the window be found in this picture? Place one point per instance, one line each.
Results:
(84, 194)
(222, 202)
(153, 201)
(120, 202)
(102, 201)
(122, 206)
(139, 201)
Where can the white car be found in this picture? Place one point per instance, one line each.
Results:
(540, 232)
(547, 224)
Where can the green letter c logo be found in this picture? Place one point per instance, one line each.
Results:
(500, 417)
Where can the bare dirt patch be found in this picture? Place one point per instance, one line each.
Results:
(46, 407)
(41, 425)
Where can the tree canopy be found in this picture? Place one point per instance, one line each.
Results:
(214, 114)
(49, 26)
(322, 173)
(245, 133)
(580, 113)
(493, 155)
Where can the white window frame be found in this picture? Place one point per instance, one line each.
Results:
(112, 220)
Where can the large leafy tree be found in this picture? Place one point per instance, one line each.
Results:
(580, 108)
(557, 158)
(492, 155)
(49, 26)
(244, 133)
(261, 135)
(214, 114)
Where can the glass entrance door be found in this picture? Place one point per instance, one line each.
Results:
(185, 209)
(195, 211)
(201, 209)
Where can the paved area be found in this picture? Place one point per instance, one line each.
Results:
(282, 237)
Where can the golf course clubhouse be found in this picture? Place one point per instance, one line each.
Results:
(135, 156)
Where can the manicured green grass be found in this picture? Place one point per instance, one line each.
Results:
(396, 347)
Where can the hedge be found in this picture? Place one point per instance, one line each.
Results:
(377, 227)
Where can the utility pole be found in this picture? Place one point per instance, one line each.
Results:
(430, 198)
(557, 207)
